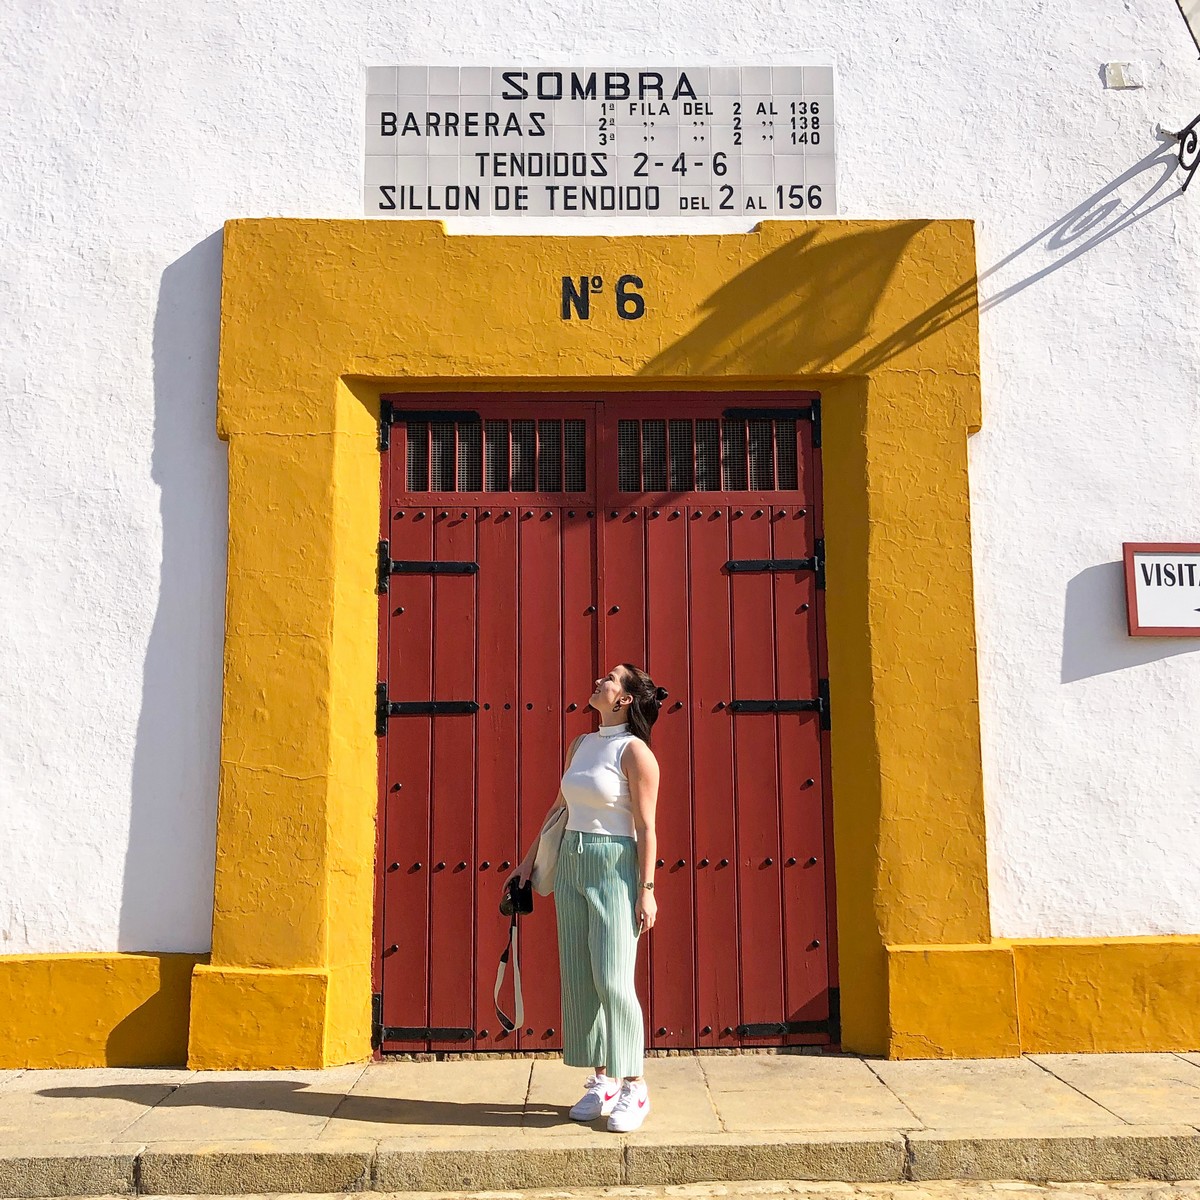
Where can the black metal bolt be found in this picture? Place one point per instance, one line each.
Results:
(616, 608)
(770, 862)
(662, 1031)
(681, 863)
(723, 863)
(483, 866)
(484, 1033)
(392, 949)
(504, 866)
(791, 862)
(704, 862)
(758, 512)
(393, 866)
(572, 707)
(591, 608)
(570, 512)
(812, 862)
(815, 943)
(658, 862)
(809, 782)
(802, 513)
(804, 607)
(706, 1031)
(443, 514)
(440, 866)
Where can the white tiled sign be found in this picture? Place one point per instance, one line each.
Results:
(1163, 589)
(543, 141)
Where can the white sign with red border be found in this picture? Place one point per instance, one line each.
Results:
(1162, 588)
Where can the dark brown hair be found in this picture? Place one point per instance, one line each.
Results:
(647, 700)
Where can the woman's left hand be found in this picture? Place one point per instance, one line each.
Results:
(645, 911)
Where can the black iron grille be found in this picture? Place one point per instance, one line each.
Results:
(496, 456)
(733, 454)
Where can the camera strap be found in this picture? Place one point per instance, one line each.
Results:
(518, 1019)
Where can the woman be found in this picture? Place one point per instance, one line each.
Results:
(604, 894)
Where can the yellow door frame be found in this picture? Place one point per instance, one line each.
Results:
(319, 317)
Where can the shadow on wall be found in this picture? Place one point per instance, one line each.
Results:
(166, 903)
(1095, 631)
(804, 302)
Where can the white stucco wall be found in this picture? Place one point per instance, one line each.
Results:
(130, 132)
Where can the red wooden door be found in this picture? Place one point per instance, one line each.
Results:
(531, 547)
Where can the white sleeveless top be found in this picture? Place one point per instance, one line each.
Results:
(595, 787)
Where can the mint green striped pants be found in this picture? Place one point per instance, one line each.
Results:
(594, 895)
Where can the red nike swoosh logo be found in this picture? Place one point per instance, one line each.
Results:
(641, 1104)
(609, 1097)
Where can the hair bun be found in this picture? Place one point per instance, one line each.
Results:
(660, 694)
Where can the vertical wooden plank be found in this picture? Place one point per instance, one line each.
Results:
(624, 588)
(579, 619)
(496, 757)
(406, 853)
(672, 942)
(540, 669)
(760, 940)
(716, 895)
(452, 957)
(809, 459)
(624, 608)
(801, 789)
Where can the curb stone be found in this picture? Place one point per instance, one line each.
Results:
(1080, 1156)
(237, 1168)
(440, 1165)
(82, 1170)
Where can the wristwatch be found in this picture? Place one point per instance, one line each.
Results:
(648, 886)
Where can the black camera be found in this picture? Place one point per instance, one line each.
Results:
(517, 899)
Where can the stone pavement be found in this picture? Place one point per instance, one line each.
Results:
(501, 1124)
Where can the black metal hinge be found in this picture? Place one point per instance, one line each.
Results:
(389, 415)
(820, 704)
(381, 1033)
(387, 566)
(425, 1033)
(743, 566)
(781, 1028)
(385, 708)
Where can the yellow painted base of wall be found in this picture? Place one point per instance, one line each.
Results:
(301, 1014)
(95, 1010)
(1048, 996)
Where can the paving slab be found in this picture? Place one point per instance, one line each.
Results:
(248, 1167)
(1143, 1089)
(791, 1092)
(841, 1156)
(435, 1099)
(679, 1097)
(215, 1107)
(1128, 1152)
(445, 1164)
(99, 1105)
(81, 1169)
(1012, 1094)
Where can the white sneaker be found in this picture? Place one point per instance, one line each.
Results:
(599, 1096)
(631, 1109)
